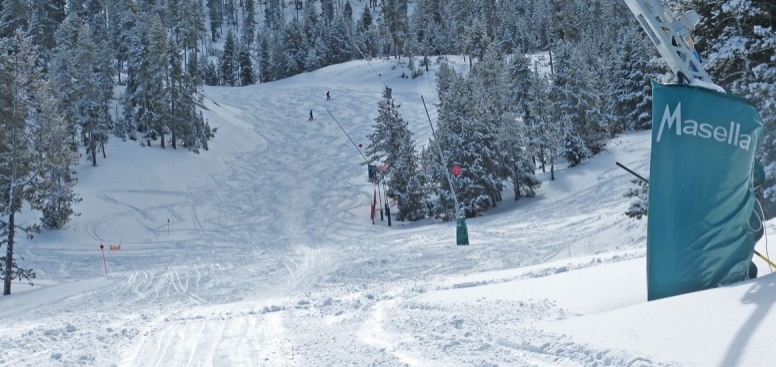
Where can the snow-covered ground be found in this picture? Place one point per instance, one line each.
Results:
(260, 252)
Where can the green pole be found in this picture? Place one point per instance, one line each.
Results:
(461, 233)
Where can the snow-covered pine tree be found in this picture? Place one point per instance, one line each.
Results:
(263, 52)
(396, 18)
(327, 11)
(294, 53)
(135, 98)
(475, 39)
(310, 23)
(14, 15)
(386, 132)
(457, 16)
(468, 141)
(576, 100)
(278, 57)
(122, 20)
(518, 136)
(230, 11)
(35, 144)
(249, 24)
(391, 145)
(364, 35)
(737, 42)
(274, 19)
(638, 206)
(177, 92)
(632, 76)
(492, 88)
(431, 172)
(191, 31)
(314, 58)
(156, 104)
(229, 61)
(45, 16)
(62, 72)
(215, 10)
(246, 65)
(340, 41)
(542, 121)
(55, 144)
(404, 182)
(92, 89)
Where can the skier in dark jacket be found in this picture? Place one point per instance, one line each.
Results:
(311, 115)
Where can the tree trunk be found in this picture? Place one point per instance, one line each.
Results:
(552, 170)
(161, 134)
(9, 254)
(93, 149)
(172, 116)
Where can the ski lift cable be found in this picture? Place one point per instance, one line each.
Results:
(379, 76)
(346, 134)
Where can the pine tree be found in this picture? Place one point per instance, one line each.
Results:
(14, 15)
(136, 95)
(63, 71)
(156, 104)
(230, 11)
(177, 92)
(294, 53)
(249, 24)
(387, 131)
(396, 20)
(190, 30)
(347, 13)
(736, 41)
(578, 100)
(33, 148)
(339, 42)
(123, 20)
(311, 22)
(45, 16)
(516, 137)
(425, 30)
(215, 9)
(91, 88)
(57, 191)
(229, 62)
(392, 145)
(542, 122)
(246, 65)
(327, 11)
(476, 40)
(274, 19)
(404, 183)
(264, 60)
(468, 141)
(633, 75)
(639, 204)
(364, 39)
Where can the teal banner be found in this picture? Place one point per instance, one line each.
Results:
(700, 190)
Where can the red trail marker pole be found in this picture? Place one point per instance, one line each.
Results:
(103, 258)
